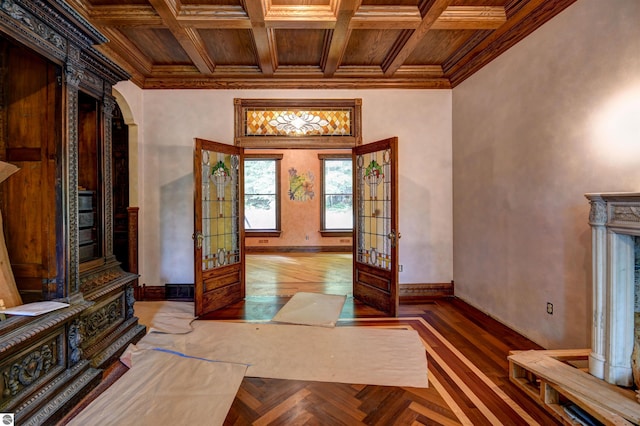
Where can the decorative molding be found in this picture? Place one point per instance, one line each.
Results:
(108, 105)
(31, 329)
(118, 346)
(34, 28)
(625, 213)
(69, 22)
(110, 287)
(99, 279)
(311, 83)
(68, 396)
(70, 151)
(598, 212)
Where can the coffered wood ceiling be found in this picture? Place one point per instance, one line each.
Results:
(310, 43)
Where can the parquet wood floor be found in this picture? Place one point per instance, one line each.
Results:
(468, 380)
(285, 274)
(466, 354)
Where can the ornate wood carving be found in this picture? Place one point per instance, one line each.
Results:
(109, 103)
(44, 361)
(96, 280)
(102, 319)
(73, 77)
(24, 371)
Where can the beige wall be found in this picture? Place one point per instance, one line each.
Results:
(169, 120)
(554, 117)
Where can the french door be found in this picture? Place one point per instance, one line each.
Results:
(375, 229)
(218, 226)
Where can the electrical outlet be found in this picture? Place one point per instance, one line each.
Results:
(550, 308)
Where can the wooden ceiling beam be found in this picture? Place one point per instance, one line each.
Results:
(187, 38)
(213, 16)
(281, 15)
(402, 52)
(386, 17)
(262, 36)
(125, 15)
(340, 36)
(408, 17)
(471, 18)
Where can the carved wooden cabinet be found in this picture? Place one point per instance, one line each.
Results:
(55, 125)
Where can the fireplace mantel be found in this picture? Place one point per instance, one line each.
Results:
(615, 221)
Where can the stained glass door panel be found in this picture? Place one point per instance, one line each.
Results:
(218, 233)
(375, 252)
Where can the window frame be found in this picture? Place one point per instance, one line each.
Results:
(331, 232)
(278, 229)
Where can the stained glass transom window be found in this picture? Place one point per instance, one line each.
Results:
(296, 123)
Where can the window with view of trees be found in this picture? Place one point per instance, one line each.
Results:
(261, 193)
(337, 193)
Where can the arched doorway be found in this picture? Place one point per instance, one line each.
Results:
(120, 180)
(124, 171)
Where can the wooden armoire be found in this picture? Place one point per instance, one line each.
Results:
(56, 108)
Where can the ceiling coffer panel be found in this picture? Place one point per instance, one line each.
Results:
(229, 46)
(300, 47)
(438, 46)
(158, 44)
(413, 44)
(370, 47)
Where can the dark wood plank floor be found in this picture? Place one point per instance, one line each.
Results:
(467, 363)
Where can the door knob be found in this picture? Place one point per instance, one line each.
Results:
(198, 237)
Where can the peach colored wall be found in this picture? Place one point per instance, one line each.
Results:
(300, 220)
(551, 119)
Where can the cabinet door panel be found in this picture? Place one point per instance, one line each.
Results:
(29, 196)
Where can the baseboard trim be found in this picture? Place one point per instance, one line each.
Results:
(420, 293)
(151, 293)
(409, 293)
(298, 249)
